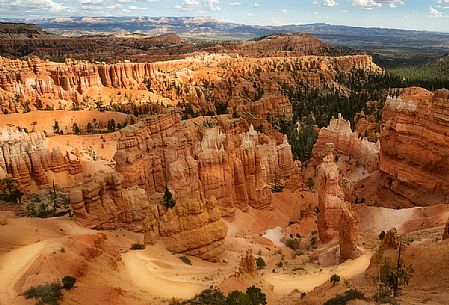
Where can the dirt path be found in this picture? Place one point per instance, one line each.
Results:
(14, 266)
(167, 278)
(286, 283)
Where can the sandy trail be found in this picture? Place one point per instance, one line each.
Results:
(13, 266)
(286, 283)
(167, 279)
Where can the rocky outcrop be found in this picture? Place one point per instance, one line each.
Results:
(193, 226)
(348, 143)
(101, 202)
(335, 217)
(390, 240)
(26, 158)
(34, 79)
(414, 163)
(237, 168)
(248, 264)
(209, 171)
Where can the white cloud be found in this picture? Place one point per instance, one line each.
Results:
(433, 12)
(256, 4)
(329, 3)
(190, 5)
(284, 11)
(30, 6)
(236, 3)
(370, 4)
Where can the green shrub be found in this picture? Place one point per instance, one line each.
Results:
(9, 191)
(169, 201)
(68, 282)
(256, 296)
(137, 246)
(277, 188)
(335, 279)
(210, 296)
(49, 294)
(260, 263)
(49, 204)
(343, 299)
(185, 260)
(238, 298)
(292, 243)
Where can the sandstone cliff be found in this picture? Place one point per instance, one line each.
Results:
(26, 158)
(34, 79)
(209, 170)
(237, 168)
(347, 143)
(335, 217)
(414, 152)
(193, 226)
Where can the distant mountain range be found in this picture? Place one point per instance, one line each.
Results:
(385, 44)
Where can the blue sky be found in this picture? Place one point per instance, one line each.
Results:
(406, 14)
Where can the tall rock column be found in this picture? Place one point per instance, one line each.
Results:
(335, 217)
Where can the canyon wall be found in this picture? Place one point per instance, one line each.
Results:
(236, 167)
(35, 78)
(192, 227)
(414, 156)
(348, 143)
(26, 158)
(336, 217)
(209, 169)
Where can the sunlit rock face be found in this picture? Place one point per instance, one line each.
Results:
(348, 143)
(26, 158)
(35, 78)
(210, 171)
(336, 219)
(237, 168)
(414, 163)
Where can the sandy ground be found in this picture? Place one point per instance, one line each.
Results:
(286, 283)
(46, 119)
(107, 271)
(164, 275)
(374, 219)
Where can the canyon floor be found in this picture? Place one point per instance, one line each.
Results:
(35, 250)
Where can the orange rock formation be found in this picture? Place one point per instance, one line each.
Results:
(347, 143)
(414, 163)
(26, 158)
(335, 217)
(207, 169)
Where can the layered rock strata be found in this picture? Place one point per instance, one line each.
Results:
(192, 227)
(209, 171)
(348, 143)
(335, 217)
(26, 158)
(414, 156)
(35, 78)
(237, 168)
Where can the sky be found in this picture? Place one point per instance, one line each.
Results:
(432, 15)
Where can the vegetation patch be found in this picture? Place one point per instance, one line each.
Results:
(50, 294)
(343, 299)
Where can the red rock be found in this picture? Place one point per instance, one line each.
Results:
(335, 217)
(26, 158)
(347, 143)
(414, 168)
